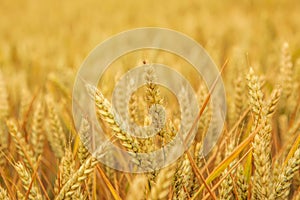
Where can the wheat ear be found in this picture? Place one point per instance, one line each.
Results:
(37, 131)
(3, 194)
(271, 107)
(74, 183)
(23, 148)
(183, 175)
(137, 188)
(84, 133)
(25, 176)
(284, 181)
(55, 134)
(66, 169)
(152, 91)
(286, 71)
(161, 188)
(241, 183)
(104, 112)
(262, 185)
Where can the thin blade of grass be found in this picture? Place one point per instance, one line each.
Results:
(225, 163)
(108, 184)
(249, 152)
(293, 149)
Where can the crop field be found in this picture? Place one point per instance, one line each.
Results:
(47, 153)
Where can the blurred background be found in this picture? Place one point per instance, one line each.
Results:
(57, 33)
(49, 40)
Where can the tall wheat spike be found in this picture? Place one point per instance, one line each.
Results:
(104, 112)
(55, 133)
(84, 131)
(286, 71)
(37, 130)
(262, 186)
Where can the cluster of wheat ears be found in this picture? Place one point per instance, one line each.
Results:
(257, 157)
(43, 155)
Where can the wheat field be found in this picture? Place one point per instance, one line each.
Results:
(44, 43)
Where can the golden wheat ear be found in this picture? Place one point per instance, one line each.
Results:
(262, 140)
(284, 180)
(23, 148)
(32, 190)
(84, 134)
(137, 190)
(37, 136)
(161, 188)
(54, 130)
(104, 112)
(3, 194)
